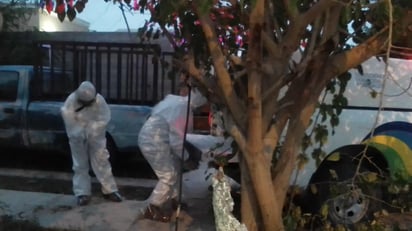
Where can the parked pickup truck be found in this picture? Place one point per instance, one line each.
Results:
(30, 113)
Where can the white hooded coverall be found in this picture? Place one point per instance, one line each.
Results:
(161, 142)
(86, 130)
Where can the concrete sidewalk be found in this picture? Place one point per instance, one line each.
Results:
(61, 211)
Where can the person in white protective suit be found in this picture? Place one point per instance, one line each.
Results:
(161, 142)
(86, 114)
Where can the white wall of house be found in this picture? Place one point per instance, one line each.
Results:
(46, 22)
(50, 23)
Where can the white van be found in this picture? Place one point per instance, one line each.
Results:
(388, 148)
(394, 97)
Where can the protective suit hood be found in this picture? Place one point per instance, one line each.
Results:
(196, 99)
(86, 92)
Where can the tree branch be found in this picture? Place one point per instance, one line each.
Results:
(339, 63)
(272, 136)
(235, 106)
(330, 23)
(298, 26)
(271, 46)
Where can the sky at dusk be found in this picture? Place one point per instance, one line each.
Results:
(107, 17)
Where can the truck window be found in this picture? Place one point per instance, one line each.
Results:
(57, 86)
(8, 85)
(51, 86)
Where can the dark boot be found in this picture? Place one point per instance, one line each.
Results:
(155, 213)
(114, 196)
(83, 200)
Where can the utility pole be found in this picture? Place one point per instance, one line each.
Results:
(124, 16)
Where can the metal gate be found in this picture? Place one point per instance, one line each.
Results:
(122, 73)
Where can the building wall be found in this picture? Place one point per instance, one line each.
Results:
(41, 20)
(50, 23)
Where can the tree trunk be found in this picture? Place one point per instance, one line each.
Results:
(250, 214)
(257, 163)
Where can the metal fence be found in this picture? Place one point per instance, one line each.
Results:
(122, 73)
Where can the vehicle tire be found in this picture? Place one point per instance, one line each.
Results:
(338, 186)
(354, 204)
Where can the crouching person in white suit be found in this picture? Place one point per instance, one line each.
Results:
(161, 142)
(86, 114)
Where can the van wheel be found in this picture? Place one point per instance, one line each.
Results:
(338, 187)
(354, 205)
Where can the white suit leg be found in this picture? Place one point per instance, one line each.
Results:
(155, 147)
(177, 166)
(80, 158)
(99, 159)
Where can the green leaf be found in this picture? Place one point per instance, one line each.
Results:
(324, 211)
(333, 174)
(334, 156)
(346, 16)
(205, 6)
(318, 154)
(293, 5)
(313, 189)
(306, 142)
(394, 189)
(331, 86)
(302, 161)
(370, 177)
(321, 134)
(373, 94)
(334, 120)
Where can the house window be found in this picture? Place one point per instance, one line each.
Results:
(46, 55)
